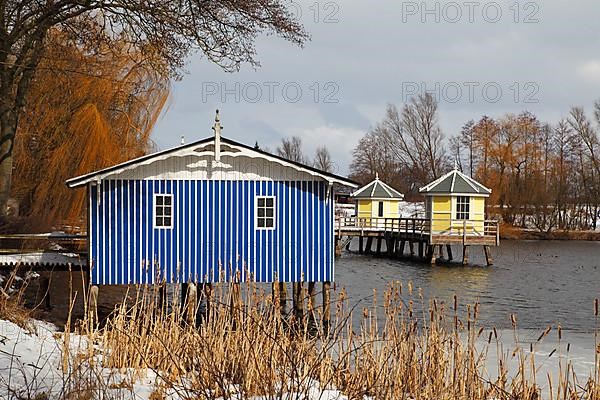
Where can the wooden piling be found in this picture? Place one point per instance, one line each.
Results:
(421, 255)
(465, 258)
(208, 298)
(369, 244)
(283, 297)
(326, 307)
(361, 249)
(488, 256)
(298, 301)
(401, 248)
(379, 245)
(312, 308)
(440, 251)
(338, 248)
(434, 254)
(449, 251)
(411, 246)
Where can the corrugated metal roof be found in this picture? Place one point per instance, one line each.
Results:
(455, 182)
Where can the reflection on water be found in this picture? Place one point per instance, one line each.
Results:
(542, 282)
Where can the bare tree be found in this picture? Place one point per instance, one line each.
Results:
(291, 148)
(224, 31)
(323, 159)
(416, 138)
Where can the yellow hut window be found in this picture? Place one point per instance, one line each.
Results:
(463, 205)
(380, 209)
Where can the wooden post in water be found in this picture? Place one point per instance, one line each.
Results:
(163, 300)
(441, 251)
(311, 308)
(369, 244)
(360, 245)
(434, 254)
(298, 300)
(411, 247)
(421, 255)
(283, 297)
(326, 307)
(488, 256)
(401, 248)
(465, 259)
(379, 245)
(208, 295)
(449, 251)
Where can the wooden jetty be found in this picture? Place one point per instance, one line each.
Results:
(418, 234)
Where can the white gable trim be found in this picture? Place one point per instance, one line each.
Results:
(202, 149)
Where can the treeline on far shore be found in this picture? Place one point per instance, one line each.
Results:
(544, 176)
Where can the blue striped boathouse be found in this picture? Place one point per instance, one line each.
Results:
(210, 211)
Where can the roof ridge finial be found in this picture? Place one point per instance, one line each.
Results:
(376, 176)
(217, 128)
(456, 163)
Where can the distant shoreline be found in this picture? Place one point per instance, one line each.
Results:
(512, 233)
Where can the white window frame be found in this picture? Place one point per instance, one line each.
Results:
(154, 205)
(468, 213)
(265, 228)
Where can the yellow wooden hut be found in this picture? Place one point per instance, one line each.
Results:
(377, 200)
(455, 204)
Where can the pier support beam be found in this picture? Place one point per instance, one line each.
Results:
(312, 308)
(401, 248)
(361, 248)
(326, 307)
(208, 298)
(369, 245)
(434, 254)
(298, 295)
(379, 239)
(421, 253)
(488, 256)
(411, 246)
(465, 258)
(449, 251)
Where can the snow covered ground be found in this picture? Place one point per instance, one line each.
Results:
(32, 367)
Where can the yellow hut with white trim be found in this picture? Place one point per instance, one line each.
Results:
(455, 204)
(377, 200)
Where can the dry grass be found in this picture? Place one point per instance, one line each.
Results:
(405, 348)
(12, 309)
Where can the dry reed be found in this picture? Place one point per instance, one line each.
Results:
(405, 348)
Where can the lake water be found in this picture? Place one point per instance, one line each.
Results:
(542, 282)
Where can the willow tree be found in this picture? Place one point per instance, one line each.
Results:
(74, 123)
(224, 31)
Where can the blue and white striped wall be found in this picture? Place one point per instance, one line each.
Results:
(214, 235)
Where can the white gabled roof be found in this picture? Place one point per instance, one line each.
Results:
(205, 147)
(378, 190)
(455, 182)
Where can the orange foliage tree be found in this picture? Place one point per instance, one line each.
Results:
(77, 122)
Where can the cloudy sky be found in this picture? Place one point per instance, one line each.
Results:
(489, 57)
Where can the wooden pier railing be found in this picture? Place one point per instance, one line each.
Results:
(442, 231)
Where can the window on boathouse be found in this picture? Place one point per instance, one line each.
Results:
(463, 204)
(163, 211)
(265, 212)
